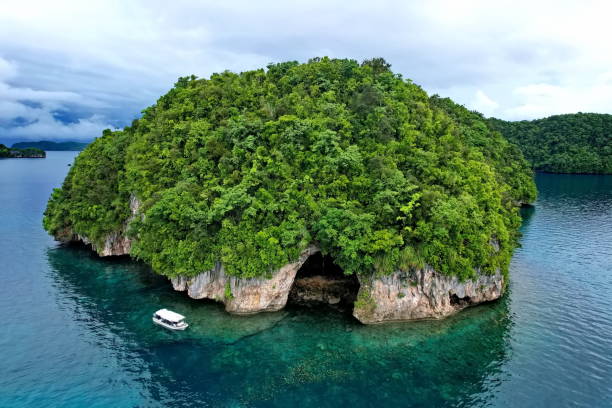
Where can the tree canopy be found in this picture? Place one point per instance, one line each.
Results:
(29, 152)
(573, 143)
(249, 169)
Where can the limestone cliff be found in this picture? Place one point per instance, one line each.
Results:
(244, 296)
(116, 243)
(401, 296)
(421, 294)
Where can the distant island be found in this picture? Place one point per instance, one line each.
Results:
(572, 143)
(51, 146)
(30, 152)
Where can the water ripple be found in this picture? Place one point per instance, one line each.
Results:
(79, 330)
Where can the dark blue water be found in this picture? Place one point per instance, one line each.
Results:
(75, 330)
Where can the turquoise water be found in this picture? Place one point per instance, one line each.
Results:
(76, 329)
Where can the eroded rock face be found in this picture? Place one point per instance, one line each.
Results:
(423, 294)
(116, 243)
(247, 296)
(401, 296)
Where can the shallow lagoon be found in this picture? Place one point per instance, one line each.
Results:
(77, 328)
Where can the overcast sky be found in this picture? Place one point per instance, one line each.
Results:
(69, 69)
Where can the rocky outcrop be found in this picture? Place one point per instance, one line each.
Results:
(401, 296)
(421, 294)
(116, 243)
(244, 296)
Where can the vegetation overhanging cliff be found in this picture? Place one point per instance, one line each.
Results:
(250, 169)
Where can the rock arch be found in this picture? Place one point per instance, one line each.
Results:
(319, 281)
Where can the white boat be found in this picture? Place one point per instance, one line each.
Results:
(170, 320)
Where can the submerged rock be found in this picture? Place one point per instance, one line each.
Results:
(421, 294)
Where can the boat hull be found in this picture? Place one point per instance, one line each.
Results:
(169, 327)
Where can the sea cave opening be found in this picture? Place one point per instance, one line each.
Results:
(320, 282)
(456, 301)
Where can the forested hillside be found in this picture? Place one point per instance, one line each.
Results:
(574, 143)
(33, 153)
(249, 169)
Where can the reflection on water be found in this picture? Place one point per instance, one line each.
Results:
(77, 330)
(295, 357)
(561, 305)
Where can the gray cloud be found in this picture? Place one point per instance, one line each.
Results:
(100, 63)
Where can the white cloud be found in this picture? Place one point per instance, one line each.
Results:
(482, 103)
(111, 59)
(18, 120)
(539, 100)
(27, 113)
(10, 110)
(7, 70)
(46, 127)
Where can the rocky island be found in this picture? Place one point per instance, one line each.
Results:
(27, 153)
(331, 182)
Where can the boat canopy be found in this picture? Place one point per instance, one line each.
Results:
(169, 315)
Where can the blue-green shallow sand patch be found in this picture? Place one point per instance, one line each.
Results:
(294, 357)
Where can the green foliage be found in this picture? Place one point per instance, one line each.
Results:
(91, 201)
(28, 152)
(576, 143)
(249, 169)
(510, 165)
(228, 292)
(365, 303)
